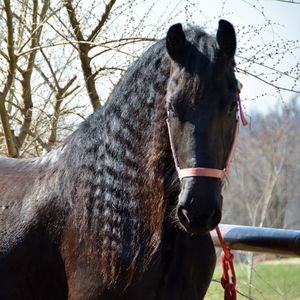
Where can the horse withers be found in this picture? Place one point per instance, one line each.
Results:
(105, 216)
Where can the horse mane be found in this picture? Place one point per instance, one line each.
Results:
(116, 170)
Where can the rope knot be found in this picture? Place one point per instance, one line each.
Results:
(227, 255)
(228, 279)
(229, 291)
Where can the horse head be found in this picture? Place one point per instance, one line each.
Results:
(202, 103)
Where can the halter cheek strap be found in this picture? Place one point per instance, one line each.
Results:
(242, 115)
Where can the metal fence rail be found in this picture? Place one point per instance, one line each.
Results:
(260, 239)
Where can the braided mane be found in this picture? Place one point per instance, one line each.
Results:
(119, 169)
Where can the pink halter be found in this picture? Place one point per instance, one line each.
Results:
(209, 172)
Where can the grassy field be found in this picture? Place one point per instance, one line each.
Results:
(271, 281)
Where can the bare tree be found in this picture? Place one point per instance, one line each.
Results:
(267, 164)
(42, 60)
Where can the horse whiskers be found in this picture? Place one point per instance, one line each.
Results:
(174, 218)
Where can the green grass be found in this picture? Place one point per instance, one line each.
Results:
(269, 281)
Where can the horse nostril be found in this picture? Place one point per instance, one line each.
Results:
(216, 216)
(183, 215)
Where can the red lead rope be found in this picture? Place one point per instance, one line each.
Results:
(228, 279)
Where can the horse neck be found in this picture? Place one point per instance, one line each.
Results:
(120, 162)
(136, 134)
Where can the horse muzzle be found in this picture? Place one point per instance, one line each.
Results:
(199, 208)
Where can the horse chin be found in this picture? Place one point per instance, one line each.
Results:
(197, 229)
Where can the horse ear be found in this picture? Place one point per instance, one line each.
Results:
(226, 38)
(175, 42)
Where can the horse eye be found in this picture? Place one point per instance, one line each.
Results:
(171, 110)
(232, 107)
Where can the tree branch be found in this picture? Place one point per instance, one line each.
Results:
(57, 108)
(9, 136)
(84, 57)
(267, 82)
(102, 21)
(26, 74)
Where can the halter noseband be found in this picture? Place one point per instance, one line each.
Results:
(209, 172)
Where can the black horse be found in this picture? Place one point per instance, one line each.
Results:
(105, 215)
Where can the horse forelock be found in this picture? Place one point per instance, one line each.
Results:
(197, 71)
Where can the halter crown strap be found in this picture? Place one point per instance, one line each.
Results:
(242, 115)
